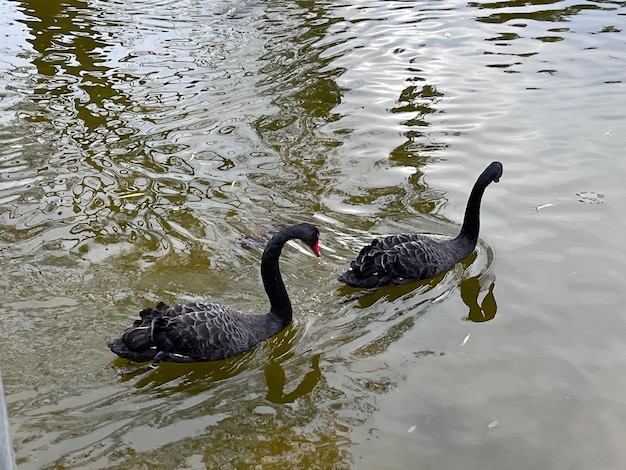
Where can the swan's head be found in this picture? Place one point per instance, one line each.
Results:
(310, 235)
(495, 171)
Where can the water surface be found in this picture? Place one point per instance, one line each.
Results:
(149, 149)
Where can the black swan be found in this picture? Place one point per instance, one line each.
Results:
(209, 332)
(399, 259)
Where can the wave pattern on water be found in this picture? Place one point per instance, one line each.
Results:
(149, 150)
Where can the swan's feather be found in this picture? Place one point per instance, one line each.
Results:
(398, 259)
(193, 332)
(209, 332)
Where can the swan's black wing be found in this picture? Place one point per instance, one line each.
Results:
(193, 332)
(209, 332)
(399, 259)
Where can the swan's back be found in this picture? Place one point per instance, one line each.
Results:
(399, 259)
(210, 332)
(193, 332)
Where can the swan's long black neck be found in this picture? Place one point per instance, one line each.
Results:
(471, 221)
(280, 305)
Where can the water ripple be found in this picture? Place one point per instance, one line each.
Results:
(150, 149)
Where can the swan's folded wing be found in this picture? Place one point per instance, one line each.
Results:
(423, 258)
(376, 263)
(205, 332)
(397, 259)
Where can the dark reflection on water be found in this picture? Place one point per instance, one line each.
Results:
(116, 179)
(277, 381)
(301, 82)
(188, 378)
(89, 170)
(545, 14)
(470, 292)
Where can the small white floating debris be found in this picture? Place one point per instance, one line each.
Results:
(125, 196)
(590, 197)
(412, 428)
(232, 185)
(466, 339)
(609, 132)
(543, 206)
(193, 155)
(493, 424)
(264, 410)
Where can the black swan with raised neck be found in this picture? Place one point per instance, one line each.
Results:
(399, 259)
(209, 332)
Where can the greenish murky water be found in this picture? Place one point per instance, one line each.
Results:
(148, 149)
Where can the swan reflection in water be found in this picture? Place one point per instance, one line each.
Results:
(470, 292)
(277, 380)
(192, 378)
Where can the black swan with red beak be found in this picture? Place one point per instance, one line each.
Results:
(399, 259)
(209, 332)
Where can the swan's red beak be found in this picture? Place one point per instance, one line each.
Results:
(316, 248)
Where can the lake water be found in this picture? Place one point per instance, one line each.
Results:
(149, 148)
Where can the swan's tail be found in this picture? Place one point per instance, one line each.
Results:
(136, 343)
(129, 345)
